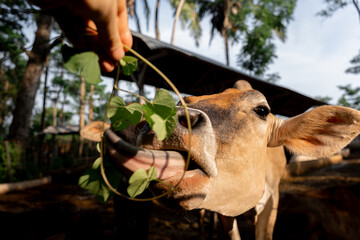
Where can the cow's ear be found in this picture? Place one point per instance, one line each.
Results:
(94, 130)
(317, 133)
(242, 85)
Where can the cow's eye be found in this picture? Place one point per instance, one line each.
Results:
(262, 111)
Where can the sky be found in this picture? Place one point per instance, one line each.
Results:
(313, 59)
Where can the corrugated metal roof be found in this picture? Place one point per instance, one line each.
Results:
(197, 75)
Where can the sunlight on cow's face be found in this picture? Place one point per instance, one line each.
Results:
(229, 141)
(236, 148)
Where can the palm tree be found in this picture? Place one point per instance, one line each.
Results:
(187, 12)
(226, 26)
(157, 32)
(177, 15)
(133, 13)
(251, 22)
(219, 12)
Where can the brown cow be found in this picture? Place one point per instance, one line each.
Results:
(237, 153)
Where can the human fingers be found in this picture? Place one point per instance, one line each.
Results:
(107, 63)
(84, 36)
(109, 24)
(105, 36)
(123, 25)
(76, 33)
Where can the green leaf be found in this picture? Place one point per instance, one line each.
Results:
(161, 114)
(159, 126)
(163, 97)
(93, 182)
(96, 163)
(122, 116)
(86, 64)
(140, 180)
(152, 173)
(128, 64)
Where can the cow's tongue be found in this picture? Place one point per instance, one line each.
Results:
(130, 158)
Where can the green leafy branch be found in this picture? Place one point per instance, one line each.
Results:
(92, 180)
(160, 114)
(140, 180)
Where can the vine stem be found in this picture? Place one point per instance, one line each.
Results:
(134, 94)
(102, 147)
(167, 80)
(102, 169)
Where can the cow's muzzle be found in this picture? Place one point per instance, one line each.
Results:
(203, 143)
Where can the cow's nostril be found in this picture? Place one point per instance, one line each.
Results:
(145, 129)
(183, 121)
(194, 119)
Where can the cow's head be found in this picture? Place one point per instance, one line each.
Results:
(231, 132)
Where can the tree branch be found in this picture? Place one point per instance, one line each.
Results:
(56, 42)
(357, 7)
(27, 52)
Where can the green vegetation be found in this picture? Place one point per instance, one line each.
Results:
(92, 180)
(140, 181)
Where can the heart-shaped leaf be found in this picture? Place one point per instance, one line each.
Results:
(129, 65)
(122, 116)
(92, 180)
(85, 64)
(140, 180)
(161, 114)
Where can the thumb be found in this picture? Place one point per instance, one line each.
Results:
(109, 32)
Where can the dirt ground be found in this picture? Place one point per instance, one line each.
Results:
(324, 204)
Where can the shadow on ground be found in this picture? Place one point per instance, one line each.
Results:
(324, 204)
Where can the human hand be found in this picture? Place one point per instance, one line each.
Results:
(97, 25)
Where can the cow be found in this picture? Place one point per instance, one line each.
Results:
(237, 153)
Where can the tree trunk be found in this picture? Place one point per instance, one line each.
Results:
(61, 113)
(140, 81)
(3, 97)
(45, 95)
(91, 103)
(132, 12)
(82, 102)
(81, 113)
(41, 155)
(8, 160)
(54, 113)
(55, 110)
(19, 129)
(226, 40)
(357, 7)
(64, 93)
(157, 33)
(131, 7)
(177, 15)
(225, 28)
